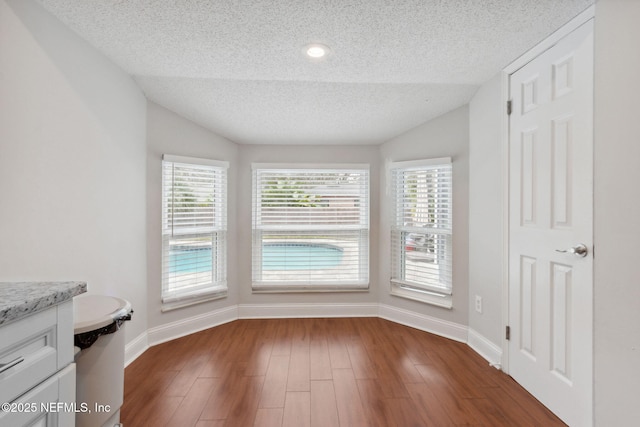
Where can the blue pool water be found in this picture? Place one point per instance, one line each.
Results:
(275, 256)
(299, 256)
(190, 260)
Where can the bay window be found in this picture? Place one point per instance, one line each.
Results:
(310, 227)
(421, 230)
(194, 230)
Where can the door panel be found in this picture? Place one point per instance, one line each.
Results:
(527, 306)
(560, 321)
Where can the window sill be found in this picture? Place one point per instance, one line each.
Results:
(432, 298)
(181, 303)
(262, 288)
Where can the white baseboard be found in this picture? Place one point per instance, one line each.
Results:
(173, 330)
(134, 348)
(485, 348)
(274, 311)
(444, 328)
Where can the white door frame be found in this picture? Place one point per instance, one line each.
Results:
(527, 57)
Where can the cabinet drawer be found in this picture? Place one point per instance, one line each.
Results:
(34, 348)
(49, 404)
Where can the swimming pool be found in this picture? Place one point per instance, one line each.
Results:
(195, 260)
(275, 257)
(299, 256)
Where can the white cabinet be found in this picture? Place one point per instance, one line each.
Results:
(37, 376)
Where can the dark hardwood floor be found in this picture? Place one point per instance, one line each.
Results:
(325, 373)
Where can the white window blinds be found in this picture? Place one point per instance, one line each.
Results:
(421, 228)
(194, 228)
(310, 227)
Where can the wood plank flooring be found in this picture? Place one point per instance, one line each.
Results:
(322, 373)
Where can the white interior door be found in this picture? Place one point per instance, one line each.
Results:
(550, 209)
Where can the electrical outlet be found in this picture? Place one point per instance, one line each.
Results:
(479, 304)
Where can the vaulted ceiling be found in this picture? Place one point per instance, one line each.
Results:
(237, 67)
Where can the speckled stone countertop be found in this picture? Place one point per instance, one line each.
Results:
(19, 299)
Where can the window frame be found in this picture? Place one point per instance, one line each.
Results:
(216, 287)
(258, 229)
(438, 291)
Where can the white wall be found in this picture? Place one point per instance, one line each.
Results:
(617, 213)
(444, 136)
(302, 154)
(486, 110)
(168, 133)
(72, 156)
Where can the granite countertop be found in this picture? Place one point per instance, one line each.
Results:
(19, 299)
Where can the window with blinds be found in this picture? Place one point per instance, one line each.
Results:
(310, 227)
(421, 230)
(194, 228)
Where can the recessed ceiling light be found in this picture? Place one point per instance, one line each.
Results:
(316, 50)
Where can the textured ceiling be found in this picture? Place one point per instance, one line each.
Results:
(237, 68)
